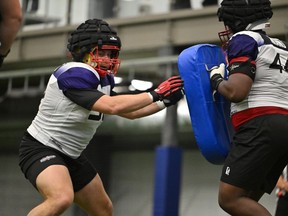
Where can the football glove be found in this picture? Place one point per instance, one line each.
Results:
(216, 75)
(173, 98)
(166, 88)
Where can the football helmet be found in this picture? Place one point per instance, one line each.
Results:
(239, 15)
(94, 42)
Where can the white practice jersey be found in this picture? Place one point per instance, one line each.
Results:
(63, 124)
(270, 86)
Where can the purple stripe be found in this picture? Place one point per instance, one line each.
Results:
(76, 78)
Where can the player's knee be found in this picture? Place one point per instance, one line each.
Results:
(221, 202)
(108, 208)
(226, 206)
(66, 201)
(226, 201)
(62, 202)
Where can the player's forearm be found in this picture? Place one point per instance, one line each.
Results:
(146, 111)
(236, 88)
(120, 104)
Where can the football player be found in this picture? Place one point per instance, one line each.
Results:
(257, 88)
(78, 95)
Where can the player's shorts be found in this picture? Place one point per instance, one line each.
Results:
(259, 154)
(34, 157)
(281, 208)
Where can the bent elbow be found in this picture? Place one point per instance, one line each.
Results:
(235, 98)
(114, 109)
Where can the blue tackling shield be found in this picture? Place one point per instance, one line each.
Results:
(209, 115)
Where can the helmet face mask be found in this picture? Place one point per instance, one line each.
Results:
(104, 60)
(224, 36)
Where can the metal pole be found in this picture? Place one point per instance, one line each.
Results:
(168, 165)
(169, 130)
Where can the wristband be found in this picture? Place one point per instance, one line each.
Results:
(150, 95)
(215, 80)
(160, 104)
(154, 96)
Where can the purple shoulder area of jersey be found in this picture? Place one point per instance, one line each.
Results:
(76, 78)
(243, 45)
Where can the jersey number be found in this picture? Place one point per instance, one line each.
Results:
(276, 64)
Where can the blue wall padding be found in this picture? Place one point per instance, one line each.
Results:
(210, 118)
(167, 181)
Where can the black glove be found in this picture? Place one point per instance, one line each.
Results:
(173, 98)
(166, 88)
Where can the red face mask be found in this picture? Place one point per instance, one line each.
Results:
(224, 37)
(104, 60)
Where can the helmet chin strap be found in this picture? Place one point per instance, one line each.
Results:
(258, 25)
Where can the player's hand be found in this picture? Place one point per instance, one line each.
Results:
(166, 88)
(173, 98)
(216, 75)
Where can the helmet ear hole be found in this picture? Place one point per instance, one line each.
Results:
(86, 58)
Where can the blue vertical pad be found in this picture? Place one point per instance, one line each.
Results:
(210, 117)
(167, 181)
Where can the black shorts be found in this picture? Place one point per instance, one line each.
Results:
(259, 154)
(282, 206)
(34, 157)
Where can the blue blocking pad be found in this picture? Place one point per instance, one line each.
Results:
(210, 116)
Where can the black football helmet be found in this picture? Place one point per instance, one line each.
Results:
(89, 39)
(239, 15)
